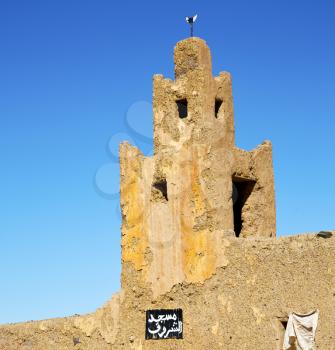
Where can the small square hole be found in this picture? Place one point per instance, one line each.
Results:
(160, 190)
(182, 108)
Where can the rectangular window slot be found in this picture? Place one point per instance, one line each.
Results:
(182, 108)
(218, 104)
(242, 188)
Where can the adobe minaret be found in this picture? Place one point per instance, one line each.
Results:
(201, 266)
(198, 187)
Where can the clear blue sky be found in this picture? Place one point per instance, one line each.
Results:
(75, 79)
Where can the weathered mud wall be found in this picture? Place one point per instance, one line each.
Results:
(242, 305)
(91, 332)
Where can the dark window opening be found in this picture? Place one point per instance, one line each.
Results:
(160, 189)
(218, 103)
(284, 324)
(182, 108)
(242, 189)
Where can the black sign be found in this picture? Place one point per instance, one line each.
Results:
(164, 324)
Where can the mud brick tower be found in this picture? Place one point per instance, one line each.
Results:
(198, 188)
(201, 265)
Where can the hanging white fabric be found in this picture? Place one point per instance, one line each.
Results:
(300, 331)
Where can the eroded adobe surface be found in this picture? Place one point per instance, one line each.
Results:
(178, 206)
(239, 307)
(242, 305)
(199, 233)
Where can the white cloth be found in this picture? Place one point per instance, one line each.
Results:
(301, 330)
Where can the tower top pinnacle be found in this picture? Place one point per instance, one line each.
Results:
(192, 54)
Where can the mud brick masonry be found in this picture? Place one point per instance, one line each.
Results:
(199, 238)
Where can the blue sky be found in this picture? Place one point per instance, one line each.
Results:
(76, 79)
